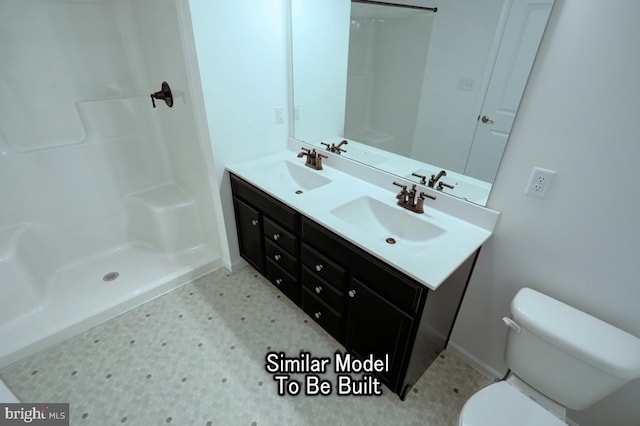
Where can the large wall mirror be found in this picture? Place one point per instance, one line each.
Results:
(413, 90)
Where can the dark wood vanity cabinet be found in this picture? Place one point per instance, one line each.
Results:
(380, 305)
(364, 303)
(268, 236)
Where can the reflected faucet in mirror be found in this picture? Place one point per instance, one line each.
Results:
(337, 149)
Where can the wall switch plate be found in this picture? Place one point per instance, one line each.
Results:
(279, 113)
(539, 182)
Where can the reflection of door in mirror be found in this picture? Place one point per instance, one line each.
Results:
(518, 46)
(418, 94)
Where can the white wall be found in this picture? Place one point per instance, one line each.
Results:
(241, 47)
(579, 116)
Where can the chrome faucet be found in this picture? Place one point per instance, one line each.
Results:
(411, 199)
(314, 159)
(336, 148)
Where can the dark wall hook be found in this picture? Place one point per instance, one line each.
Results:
(164, 94)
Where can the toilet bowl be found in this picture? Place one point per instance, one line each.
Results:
(558, 357)
(502, 404)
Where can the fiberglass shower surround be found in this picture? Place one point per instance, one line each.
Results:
(100, 211)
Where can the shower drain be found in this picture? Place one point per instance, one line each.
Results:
(110, 276)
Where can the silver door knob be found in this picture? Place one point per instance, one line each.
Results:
(319, 268)
(317, 314)
(352, 293)
(254, 222)
(318, 289)
(486, 119)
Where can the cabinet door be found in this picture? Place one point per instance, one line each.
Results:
(249, 224)
(375, 326)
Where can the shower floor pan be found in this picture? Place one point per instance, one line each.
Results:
(84, 294)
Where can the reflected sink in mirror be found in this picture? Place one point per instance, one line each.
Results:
(364, 155)
(386, 221)
(291, 176)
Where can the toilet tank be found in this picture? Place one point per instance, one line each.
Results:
(566, 354)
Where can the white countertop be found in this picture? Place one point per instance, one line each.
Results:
(430, 262)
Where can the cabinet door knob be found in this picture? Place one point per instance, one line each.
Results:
(352, 293)
(318, 289)
(279, 281)
(254, 222)
(317, 314)
(276, 237)
(319, 267)
(277, 257)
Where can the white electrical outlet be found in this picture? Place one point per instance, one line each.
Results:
(539, 182)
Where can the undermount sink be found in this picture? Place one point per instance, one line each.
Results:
(287, 175)
(386, 221)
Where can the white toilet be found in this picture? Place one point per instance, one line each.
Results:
(559, 358)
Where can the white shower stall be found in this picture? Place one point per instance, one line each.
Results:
(105, 201)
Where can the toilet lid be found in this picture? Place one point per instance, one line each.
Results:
(502, 405)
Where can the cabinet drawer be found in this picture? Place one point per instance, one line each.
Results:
(323, 267)
(284, 281)
(277, 234)
(285, 216)
(323, 290)
(328, 319)
(280, 257)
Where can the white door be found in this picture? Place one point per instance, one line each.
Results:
(523, 30)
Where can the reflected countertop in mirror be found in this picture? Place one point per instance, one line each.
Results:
(415, 91)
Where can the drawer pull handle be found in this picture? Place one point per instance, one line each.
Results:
(276, 237)
(317, 315)
(319, 267)
(277, 257)
(318, 289)
(254, 222)
(279, 281)
(352, 293)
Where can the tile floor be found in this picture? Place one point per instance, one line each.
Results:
(196, 356)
